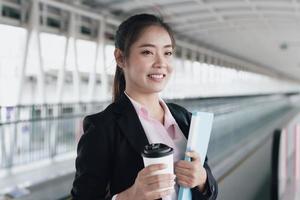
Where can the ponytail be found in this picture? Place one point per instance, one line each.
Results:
(119, 84)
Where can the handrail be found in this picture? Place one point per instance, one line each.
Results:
(219, 107)
(246, 148)
(285, 156)
(275, 167)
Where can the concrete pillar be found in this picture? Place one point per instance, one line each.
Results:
(62, 74)
(76, 78)
(33, 33)
(102, 59)
(99, 61)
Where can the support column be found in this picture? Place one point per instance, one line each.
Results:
(32, 32)
(92, 76)
(35, 36)
(70, 41)
(41, 74)
(99, 61)
(23, 69)
(76, 78)
(104, 78)
(76, 75)
(62, 74)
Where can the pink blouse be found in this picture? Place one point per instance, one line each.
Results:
(168, 133)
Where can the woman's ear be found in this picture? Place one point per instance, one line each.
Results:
(119, 57)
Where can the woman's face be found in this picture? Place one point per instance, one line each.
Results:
(148, 66)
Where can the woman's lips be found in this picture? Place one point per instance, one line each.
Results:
(156, 77)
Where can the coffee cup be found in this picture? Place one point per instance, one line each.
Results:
(158, 153)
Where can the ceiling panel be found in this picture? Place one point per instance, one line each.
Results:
(249, 29)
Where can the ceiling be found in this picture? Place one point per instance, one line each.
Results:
(264, 32)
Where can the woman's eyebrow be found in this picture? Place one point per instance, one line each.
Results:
(152, 45)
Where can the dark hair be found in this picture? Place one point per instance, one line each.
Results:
(129, 32)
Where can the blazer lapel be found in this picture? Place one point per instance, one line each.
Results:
(130, 124)
(183, 119)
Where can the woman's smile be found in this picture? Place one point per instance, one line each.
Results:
(156, 77)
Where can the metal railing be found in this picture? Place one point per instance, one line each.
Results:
(35, 132)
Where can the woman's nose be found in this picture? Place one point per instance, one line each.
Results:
(160, 61)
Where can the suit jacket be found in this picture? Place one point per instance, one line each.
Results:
(109, 152)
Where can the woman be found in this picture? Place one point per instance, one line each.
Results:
(109, 163)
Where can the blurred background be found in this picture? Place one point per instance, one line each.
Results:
(239, 59)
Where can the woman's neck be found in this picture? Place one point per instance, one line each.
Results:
(151, 102)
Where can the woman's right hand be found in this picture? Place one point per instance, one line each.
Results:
(147, 185)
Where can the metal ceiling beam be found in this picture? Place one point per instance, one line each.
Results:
(137, 4)
(274, 3)
(213, 11)
(73, 9)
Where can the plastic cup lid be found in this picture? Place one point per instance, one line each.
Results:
(156, 150)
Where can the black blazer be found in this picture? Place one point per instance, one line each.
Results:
(109, 152)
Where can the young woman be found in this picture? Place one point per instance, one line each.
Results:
(109, 164)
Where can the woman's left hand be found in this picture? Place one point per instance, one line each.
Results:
(191, 174)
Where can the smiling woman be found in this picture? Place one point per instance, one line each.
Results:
(148, 66)
(109, 164)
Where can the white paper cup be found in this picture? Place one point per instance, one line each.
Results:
(158, 153)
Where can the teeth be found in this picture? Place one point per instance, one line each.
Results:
(156, 76)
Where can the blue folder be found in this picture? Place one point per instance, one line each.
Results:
(199, 134)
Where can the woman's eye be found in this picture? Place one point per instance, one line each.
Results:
(169, 53)
(146, 52)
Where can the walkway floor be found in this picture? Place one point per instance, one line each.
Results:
(26, 181)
